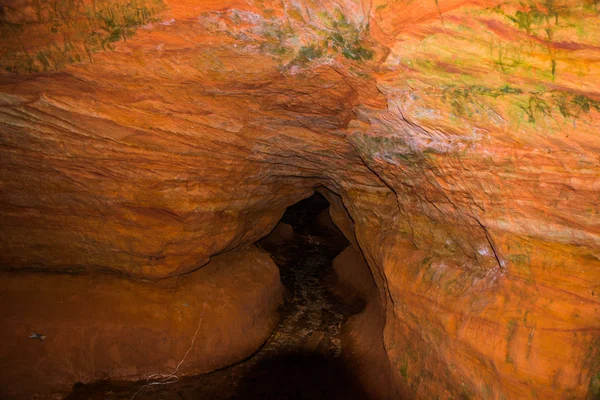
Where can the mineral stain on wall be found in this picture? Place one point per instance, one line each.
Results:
(41, 36)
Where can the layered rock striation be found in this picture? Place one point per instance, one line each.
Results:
(145, 137)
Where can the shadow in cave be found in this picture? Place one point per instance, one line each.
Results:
(303, 358)
(304, 216)
(299, 376)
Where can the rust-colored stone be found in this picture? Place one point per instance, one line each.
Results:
(460, 136)
(100, 326)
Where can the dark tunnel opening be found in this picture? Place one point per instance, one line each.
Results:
(304, 215)
(304, 356)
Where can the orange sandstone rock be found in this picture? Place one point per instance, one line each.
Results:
(460, 136)
(98, 326)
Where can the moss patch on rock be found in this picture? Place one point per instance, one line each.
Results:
(62, 32)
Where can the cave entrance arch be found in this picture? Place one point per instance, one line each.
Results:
(328, 343)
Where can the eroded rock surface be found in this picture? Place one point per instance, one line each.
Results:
(103, 326)
(460, 136)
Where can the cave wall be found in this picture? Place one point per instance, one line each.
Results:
(461, 137)
(102, 326)
(362, 336)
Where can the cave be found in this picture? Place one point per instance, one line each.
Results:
(415, 185)
(324, 282)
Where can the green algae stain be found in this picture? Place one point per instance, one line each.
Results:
(591, 5)
(340, 37)
(75, 30)
(536, 107)
(469, 101)
(568, 105)
(527, 19)
(311, 52)
(542, 21)
(357, 53)
(404, 369)
(542, 18)
(511, 329)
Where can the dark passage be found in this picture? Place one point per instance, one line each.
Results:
(302, 358)
(304, 216)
